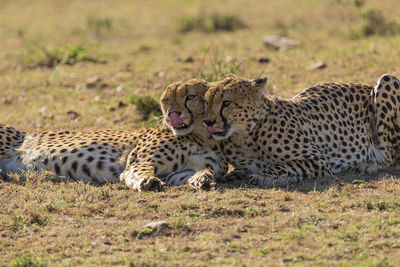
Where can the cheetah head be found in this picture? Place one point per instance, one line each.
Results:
(182, 104)
(233, 104)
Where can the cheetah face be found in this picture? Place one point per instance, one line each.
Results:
(233, 105)
(182, 104)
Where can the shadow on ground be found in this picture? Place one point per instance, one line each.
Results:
(348, 177)
(320, 185)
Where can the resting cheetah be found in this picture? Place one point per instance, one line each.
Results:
(138, 158)
(323, 130)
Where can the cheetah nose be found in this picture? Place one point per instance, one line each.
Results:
(209, 122)
(175, 119)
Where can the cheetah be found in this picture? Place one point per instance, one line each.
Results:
(144, 159)
(319, 133)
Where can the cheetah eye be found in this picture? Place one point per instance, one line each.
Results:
(226, 103)
(190, 97)
(164, 100)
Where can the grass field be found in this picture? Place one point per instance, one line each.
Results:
(84, 65)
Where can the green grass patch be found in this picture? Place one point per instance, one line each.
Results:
(26, 260)
(51, 56)
(215, 67)
(96, 29)
(209, 22)
(375, 22)
(146, 106)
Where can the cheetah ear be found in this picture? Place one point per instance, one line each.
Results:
(260, 82)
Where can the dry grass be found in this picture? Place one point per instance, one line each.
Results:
(127, 49)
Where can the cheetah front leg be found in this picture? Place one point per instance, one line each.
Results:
(244, 168)
(209, 166)
(200, 179)
(283, 173)
(140, 176)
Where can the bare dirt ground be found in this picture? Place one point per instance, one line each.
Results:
(84, 65)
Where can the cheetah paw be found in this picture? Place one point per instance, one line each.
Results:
(148, 184)
(201, 180)
(369, 167)
(260, 180)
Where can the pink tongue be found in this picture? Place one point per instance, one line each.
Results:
(175, 119)
(211, 129)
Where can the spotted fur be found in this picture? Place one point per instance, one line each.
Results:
(10, 139)
(322, 131)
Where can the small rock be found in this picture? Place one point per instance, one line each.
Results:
(317, 66)
(80, 87)
(43, 111)
(119, 88)
(157, 225)
(263, 60)
(188, 59)
(73, 115)
(7, 100)
(278, 42)
(96, 98)
(93, 82)
(161, 74)
(228, 59)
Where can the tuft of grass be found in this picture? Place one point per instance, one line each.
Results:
(214, 67)
(381, 205)
(96, 29)
(146, 106)
(357, 3)
(26, 260)
(209, 22)
(16, 222)
(374, 22)
(50, 56)
(36, 218)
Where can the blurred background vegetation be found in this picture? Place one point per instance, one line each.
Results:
(88, 58)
